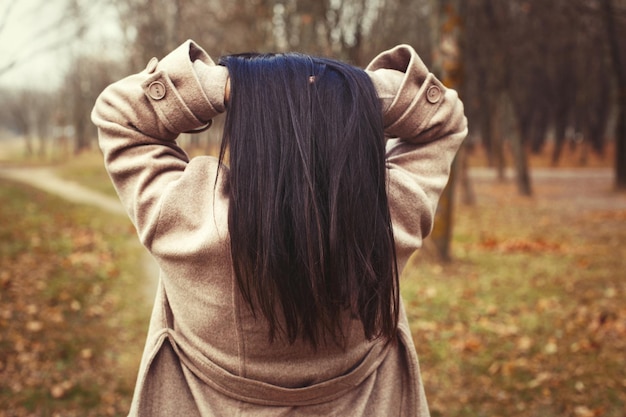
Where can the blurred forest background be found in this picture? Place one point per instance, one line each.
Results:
(536, 76)
(526, 319)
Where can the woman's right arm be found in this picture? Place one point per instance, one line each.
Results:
(139, 119)
(426, 124)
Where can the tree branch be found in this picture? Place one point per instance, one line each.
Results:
(5, 15)
(38, 42)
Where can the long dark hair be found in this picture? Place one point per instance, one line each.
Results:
(310, 229)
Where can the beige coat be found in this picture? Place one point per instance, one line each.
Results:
(205, 354)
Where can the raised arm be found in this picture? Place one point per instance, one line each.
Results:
(426, 125)
(139, 118)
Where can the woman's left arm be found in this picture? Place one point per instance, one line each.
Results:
(139, 119)
(426, 124)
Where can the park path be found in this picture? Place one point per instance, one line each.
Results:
(46, 179)
(571, 189)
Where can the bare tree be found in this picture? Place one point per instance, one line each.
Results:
(485, 75)
(615, 34)
(401, 21)
(87, 77)
(28, 113)
(155, 27)
(58, 31)
(448, 31)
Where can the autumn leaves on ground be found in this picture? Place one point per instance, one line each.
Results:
(528, 320)
(71, 315)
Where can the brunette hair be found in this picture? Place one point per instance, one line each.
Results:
(310, 229)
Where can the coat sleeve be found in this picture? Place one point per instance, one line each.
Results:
(139, 118)
(426, 125)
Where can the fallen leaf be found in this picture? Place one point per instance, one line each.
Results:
(583, 411)
(34, 326)
(86, 353)
(57, 391)
(524, 343)
(550, 347)
(539, 379)
(472, 344)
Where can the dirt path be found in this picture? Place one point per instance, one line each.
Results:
(47, 180)
(571, 189)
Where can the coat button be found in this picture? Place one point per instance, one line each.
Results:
(156, 90)
(152, 64)
(433, 94)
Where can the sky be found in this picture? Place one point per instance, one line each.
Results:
(32, 32)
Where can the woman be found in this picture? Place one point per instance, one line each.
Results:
(278, 292)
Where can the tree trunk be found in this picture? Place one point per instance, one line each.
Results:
(620, 147)
(521, 166)
(468, 197)
(497, 139)
(539, 131)
(42, 146)
(442, 230)
(522, 176)
(618, 67)
(560, 132)
(448, 62)
(28, 145)
(486, 118)
(81, 139)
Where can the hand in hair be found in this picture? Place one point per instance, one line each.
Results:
(214, 80)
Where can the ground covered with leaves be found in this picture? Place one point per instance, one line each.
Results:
(530, 317)
(528, 320)
(72, 315)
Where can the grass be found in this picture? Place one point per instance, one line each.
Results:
(70, 336)
(88, 170)
(528, 320)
